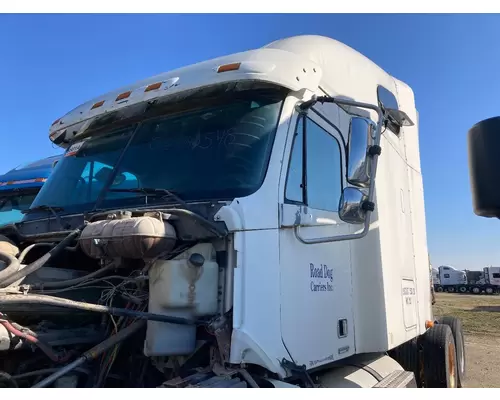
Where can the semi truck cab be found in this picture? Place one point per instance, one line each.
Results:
(241, 208)
(19, 187)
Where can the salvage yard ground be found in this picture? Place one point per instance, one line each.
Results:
(480, 315)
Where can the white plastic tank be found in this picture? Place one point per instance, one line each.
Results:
(186, 286)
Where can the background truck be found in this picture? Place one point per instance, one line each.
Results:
(19, 187)
(488, 281)
(229, 224)
(451, 280)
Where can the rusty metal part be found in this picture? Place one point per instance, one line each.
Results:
(221, 328)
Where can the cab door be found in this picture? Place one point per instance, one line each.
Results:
(316, 298)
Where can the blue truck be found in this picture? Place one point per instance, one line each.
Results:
(19, 187)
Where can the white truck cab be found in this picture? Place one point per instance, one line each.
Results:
(289, 178)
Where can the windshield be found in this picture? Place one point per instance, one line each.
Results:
(13, 204)
(215, 151)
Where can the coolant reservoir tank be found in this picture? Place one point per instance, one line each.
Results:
(123, 236)
(186, 286)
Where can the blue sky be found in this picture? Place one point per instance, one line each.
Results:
(51, 63)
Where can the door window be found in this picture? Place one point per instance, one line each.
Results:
(323, 168)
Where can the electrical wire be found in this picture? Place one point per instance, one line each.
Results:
(87, 283)
(33, 340)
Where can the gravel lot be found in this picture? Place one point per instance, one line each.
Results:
(480, 315)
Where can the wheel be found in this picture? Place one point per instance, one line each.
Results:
(458, 335)
(439, 289)
(440, 361)
(451, 289)
(476, 290)
(462, 289)
(489, 290)
(407, 355)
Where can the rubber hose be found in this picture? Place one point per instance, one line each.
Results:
(36, 265)
(9, 378)
(71, 282)
(12, 265)
(31, 246)
(93, 353)
(6, 299)
(45, 371)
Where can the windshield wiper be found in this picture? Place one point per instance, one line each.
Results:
(153, 192)
(51, 209)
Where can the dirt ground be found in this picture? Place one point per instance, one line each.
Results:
(480, 315)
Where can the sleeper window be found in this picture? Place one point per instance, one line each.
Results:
(324, 168)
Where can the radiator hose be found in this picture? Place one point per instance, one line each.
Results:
(12, 265)
(13, 276)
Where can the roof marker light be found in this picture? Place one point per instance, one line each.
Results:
(23, 181)
(153, 86)
(228, 67)
(98, 104)
(56, 121)
(123, 96)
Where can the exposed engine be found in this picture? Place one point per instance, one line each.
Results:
(127, 300)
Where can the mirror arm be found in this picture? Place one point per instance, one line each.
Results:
(374, 152)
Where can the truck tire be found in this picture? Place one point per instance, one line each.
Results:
(489, 290)
(458, 335)
(439, 289)
(451, 289)
(476, 290)
(462, 289)
(440, 361)
(407, 355)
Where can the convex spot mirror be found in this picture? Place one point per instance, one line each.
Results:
(362, 133)
(484, 167)
(351, 206)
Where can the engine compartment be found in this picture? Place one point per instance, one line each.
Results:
(128, 299)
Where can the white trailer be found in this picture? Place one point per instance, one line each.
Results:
(273, 199)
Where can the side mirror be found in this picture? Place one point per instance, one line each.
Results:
(351, 206)
(484, 167)
(361, 136)
(399, 117)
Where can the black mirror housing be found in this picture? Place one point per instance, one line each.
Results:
(484, 167)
